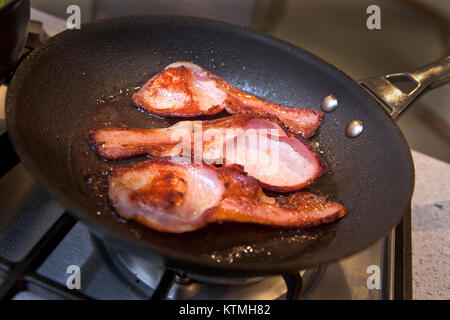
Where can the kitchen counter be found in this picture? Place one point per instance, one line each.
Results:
(430, 217)
(430, 209)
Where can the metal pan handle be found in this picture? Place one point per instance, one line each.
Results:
(424, 78)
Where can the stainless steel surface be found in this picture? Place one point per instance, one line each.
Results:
(329, 103)
(427, 77)
(388, 263)
(346, 279)
(145, 276)
(268, 288)
(354, 128)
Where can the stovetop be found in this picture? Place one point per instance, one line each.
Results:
(43, 248)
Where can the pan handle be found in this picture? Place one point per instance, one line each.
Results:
(424, 78)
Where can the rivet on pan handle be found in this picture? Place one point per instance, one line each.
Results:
(427, 77)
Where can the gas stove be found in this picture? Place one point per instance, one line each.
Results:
(42, 247)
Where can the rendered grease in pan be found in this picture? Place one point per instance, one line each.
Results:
(237, 253)
(288, 237)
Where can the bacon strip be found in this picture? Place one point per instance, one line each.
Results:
(178, 197)
(185, 89)
(278, 159)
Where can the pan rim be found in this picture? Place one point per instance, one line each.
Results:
(169, 259)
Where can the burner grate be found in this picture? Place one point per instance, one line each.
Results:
(159, 283)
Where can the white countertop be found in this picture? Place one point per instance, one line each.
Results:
(430, 208)
(430, 225)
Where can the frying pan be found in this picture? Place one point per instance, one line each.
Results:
(82, 79)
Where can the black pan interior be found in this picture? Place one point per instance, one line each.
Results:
(82, 79)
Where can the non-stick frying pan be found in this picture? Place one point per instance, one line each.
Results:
(82, 79)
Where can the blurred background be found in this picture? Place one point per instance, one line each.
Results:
(413, 33)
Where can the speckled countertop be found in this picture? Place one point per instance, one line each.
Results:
(430, 209)
(430, 217)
